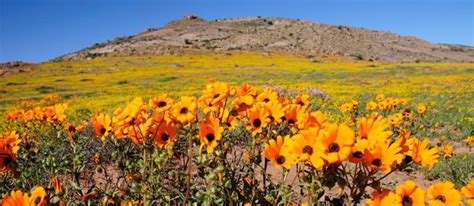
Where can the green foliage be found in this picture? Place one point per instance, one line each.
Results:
(459, 169)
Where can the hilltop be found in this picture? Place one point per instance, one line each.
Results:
(277, 35)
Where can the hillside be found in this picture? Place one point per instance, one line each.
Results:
(280, 35)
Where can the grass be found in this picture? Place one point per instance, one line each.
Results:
(458, 169)
(102, 84)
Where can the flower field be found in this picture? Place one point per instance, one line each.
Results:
(237, 128)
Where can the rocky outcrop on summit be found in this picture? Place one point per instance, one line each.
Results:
(281, 35)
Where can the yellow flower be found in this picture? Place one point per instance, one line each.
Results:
(101, 125)
(302, 100)
(443, 193)
(422, 154)
(410, 194)
(246, 90)
(242, 103)
(279, 152)
(267, 95)
(373, 127)
(291, 114)
(185, 110)
(383, 156)
(275, 112)
(403, 101)
(447, 150)
(164, 133)
(215, 92)
(161, 104)
(16, 198)
(126, 119)
(258, 119)
(308, 119)
(358, 150)
(210, 133)
(8, 150)
(371, 106)
(407, 113)
(469, 140)
(336, 143)
(380, 97)
(38, 196)
(468, 192)
(305, 147)
(395, 119)
(383, 197)
(421, 108)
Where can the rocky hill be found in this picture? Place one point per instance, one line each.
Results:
(280, 35)
(14, 67)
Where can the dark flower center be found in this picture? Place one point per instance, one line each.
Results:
(234, 113)
(377, 162)
(7, 161)
(210, 137)
(71, 128)
(301, 103)
(334, 147)
(407, 159)
(266, 100)
(165, 137)
(291, 121)
(183, 110)
(132, 122)
(308, 150)
(407, 201)
(280, 159)
(257, 123)
(357, 154)
(102, 131)
(162, 104)
(216, 95)
(441, 198)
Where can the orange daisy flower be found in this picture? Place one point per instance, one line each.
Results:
(291, 114)
(101, 125)
(275, 112)
(185, 110)
(267, 95)
(447, 150)
(383, 156)
(246, 90)
(443, 194)
(336, 143)
(161, 104)
(308, 119)
(16, 198)
(210, 133)
(279, 152)
(302, 100)
(305, 148)
(257, 119)
(373, 127)
(421, 108)
(164, 133)
(383, 197)
(422, 154)
(468, 192)
(410, 194)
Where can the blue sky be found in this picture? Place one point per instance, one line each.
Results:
(39, 30)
